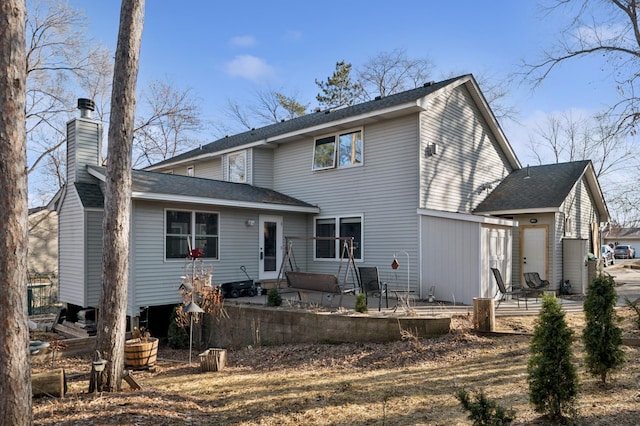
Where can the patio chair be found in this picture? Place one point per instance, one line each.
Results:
(534, 283)
(371, 284)
(502, 288)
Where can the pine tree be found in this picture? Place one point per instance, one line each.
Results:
(117, 202)
(339, 90)
(552, 376)
(15, 370)
(601, 336)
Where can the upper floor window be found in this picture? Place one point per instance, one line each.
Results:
(237, 166)
(190, 171)
(341, 150)
(186, 229)
(328, 246)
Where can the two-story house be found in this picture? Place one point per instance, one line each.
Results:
(402, 175)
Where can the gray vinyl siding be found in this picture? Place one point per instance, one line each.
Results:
(262, 167)
(579, 205)
(94, 256)
(468, 154)
(210, 169)
(84, 139)
(71, 250)
(383, 190)
(156, 280)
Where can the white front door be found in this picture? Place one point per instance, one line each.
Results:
(271, 247)
(534, 249)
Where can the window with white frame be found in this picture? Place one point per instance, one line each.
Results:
(184, 229)
(190, 171)
(339, 150)
(328, 228)
(237, 167)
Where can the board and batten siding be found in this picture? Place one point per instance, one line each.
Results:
(383, 190)
(83, 147)
(468, 158)
(71, 250)
(451, 254)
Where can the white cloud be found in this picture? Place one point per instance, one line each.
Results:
(243, 41)
(250, 68)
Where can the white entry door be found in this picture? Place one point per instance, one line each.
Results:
(534, 249)
(271, 247)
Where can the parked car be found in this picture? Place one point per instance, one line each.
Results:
(624, 252)
(607, 255)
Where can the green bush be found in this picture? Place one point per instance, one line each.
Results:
(552, 375)
(361, 303)
(601, 336)
(273, 297)
(177, 337)
(483, 411)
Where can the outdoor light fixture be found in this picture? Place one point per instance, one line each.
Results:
(431, 149)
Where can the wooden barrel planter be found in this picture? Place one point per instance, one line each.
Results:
(140, 353)
(213, 359)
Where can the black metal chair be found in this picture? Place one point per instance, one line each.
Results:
(535, 284)
(371, 284)
(502, 288)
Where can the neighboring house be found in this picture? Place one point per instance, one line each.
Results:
(402, 175)
(623, 236)
(561, 212)
(43, 242)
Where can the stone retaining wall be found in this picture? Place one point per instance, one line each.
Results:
(261, 325)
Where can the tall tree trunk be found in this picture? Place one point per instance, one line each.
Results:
(117, 207)
(15, 381)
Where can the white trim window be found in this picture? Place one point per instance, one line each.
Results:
(191, 171)
(337, 226)
(337, 151)
(237, 167)
(191, 228)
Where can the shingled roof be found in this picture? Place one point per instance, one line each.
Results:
(311, 120)
(536, 187)
(164, 186)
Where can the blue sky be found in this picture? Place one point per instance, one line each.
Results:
(226, 50)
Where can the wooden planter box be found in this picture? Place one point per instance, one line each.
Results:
(140, 353)
(213, 359)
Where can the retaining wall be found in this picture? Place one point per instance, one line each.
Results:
(261, 325)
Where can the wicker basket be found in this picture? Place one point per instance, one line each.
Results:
(140, 353)
(213, 359)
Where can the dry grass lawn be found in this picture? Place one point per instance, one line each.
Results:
(411, 382)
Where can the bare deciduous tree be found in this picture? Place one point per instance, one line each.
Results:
(565, 137)
(391, 72)
(117, 208)
(15, 374)
(609, 30)
(267, 106)
(170, 126)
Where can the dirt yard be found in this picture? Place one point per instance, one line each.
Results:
(410, 382)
